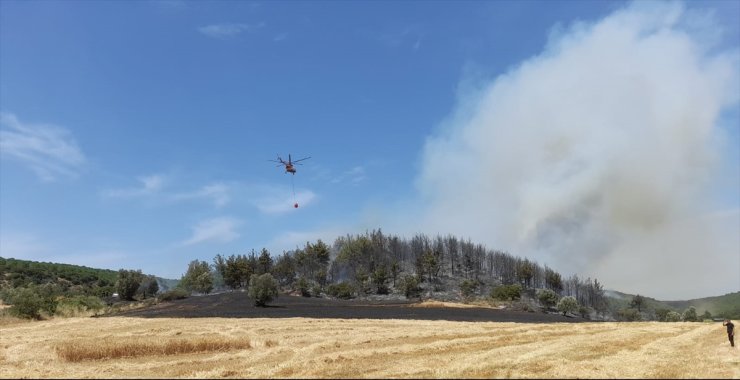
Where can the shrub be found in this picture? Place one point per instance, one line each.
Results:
(689, 315)
(547, 298)
(174, 294)
(34, 301)
(410, 286)
(77, 305)
(629, 315)
(567, 304)
(507, 292)
(673, 316)
(27, 303)
(661, 314)
(128, 283)
(584, 311)
(302, 286)
(316, 290)
(468, 288)
(263, 289)
(343, 290)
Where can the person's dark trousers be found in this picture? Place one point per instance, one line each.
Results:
(732, 340)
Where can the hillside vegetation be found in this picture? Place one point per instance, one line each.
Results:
(42, 289)
(70, 278)
(725, 306)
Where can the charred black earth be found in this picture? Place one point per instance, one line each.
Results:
(238, 305)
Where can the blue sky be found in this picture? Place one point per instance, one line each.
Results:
(137, 134)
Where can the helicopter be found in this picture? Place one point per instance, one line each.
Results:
(289, 168)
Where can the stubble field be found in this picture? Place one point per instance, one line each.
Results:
(361, 348)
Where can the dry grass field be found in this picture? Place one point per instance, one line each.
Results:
(361, 348)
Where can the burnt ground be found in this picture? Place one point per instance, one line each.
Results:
(238, 305)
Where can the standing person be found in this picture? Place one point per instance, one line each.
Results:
(730, 331)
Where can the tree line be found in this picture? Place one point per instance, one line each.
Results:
(376, 263)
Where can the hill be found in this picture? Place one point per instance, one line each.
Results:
(78, 279)
(725, 306)
(16, 273)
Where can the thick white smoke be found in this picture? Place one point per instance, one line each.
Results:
(597, 157)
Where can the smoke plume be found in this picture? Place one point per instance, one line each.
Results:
(599, 156)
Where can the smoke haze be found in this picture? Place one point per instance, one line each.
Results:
(599, 156)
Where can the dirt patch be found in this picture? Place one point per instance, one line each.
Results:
(445, 304)
(239, 305)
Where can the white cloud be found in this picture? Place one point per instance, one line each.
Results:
(226, 30)
(595, 157)
(221, 230)
(353, 176)
(50, 151)
(150, 185)
(280, 37)
(218, 193)
(398, 37)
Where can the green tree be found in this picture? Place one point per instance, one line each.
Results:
(303, 286)
(198, 278)
(431, 265)
(263, 289)
(689, 315)
(128, 283)
(507, 292)
(707, 315)
(548, 298)
(525, 273)
(321, 276)
(149, 286)
(410, 286)
(237, 271)
(362, 278)
(661, 314)
(553, 280)
(284, 269)
(638, 302)
(321, 251)
(395, 271)
(567, 304)
(380, 280)
(219, 265)
(265, 262)
(468, 288)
